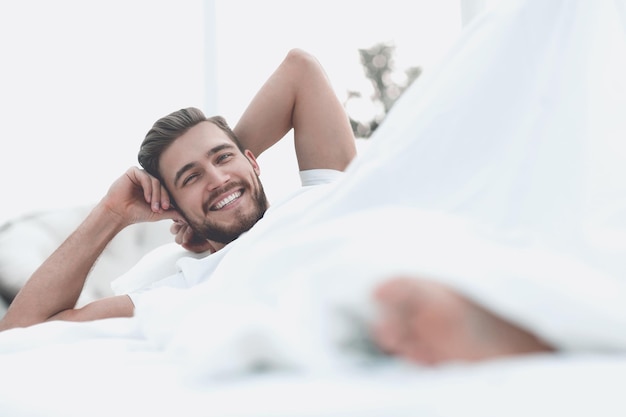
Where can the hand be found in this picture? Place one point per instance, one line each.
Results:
(188, 239)
(139, 197)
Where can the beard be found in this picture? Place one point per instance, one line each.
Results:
(244, 221)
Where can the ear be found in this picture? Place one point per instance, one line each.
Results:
(253, 161)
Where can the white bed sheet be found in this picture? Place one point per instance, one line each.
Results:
(121, 376)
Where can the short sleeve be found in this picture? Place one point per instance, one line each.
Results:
(319, 176)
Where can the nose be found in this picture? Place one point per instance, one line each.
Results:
(216, 178)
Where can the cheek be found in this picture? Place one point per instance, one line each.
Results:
(186, 203)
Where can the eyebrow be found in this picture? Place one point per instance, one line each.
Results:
(191, 165)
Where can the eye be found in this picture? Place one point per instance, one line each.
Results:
(189, 179)
(224, 157)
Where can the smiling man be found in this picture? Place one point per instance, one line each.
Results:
(204, 176)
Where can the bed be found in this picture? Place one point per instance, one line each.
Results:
(499, 173)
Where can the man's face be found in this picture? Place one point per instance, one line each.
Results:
(215, 186)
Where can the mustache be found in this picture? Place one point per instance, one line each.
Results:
(206, 206)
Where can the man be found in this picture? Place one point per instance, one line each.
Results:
(212, 179)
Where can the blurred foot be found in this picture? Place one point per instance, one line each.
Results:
(428, 323)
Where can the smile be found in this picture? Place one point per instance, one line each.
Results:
(226, 200)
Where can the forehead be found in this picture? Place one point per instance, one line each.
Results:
(190, 147)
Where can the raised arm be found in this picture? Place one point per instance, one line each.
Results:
(54, 288)
(299, 95)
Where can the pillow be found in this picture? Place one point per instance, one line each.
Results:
(27, 241)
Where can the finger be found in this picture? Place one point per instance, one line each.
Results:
(152, 189)
(155, 195)
(165, 198)
(180, 233)
(175, 227)
(188, 234)
(145, 181)
(199, 245)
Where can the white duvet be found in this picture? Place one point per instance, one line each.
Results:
(500, 173)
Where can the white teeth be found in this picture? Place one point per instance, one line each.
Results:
(227, 200)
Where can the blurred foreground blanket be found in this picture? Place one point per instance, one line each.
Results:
(501, 173)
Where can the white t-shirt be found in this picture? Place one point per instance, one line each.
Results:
(172, 266)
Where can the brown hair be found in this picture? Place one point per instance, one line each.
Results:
(169, 128)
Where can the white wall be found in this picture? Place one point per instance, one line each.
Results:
(82, 81)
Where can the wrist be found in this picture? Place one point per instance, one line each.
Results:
(105, 219)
